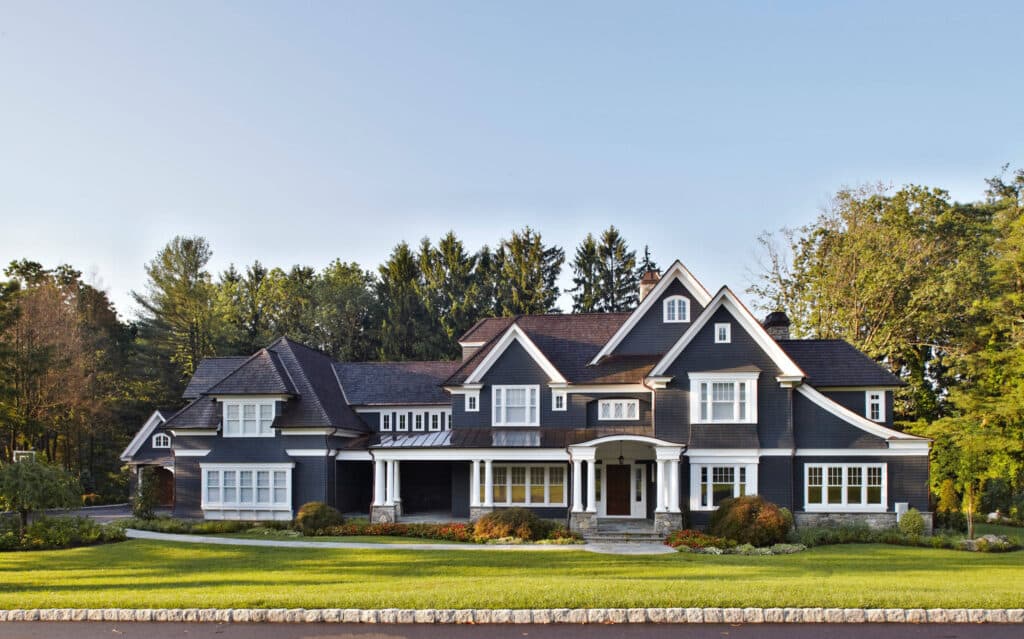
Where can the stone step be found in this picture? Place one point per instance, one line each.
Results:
(623, 539)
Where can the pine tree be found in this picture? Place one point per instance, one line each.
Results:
(586, 268)
(526, 271)
(244, 304)
(646, 264)
(450, 291)
(405, 326)
(619, 283)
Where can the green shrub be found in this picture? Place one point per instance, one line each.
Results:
(146, 496)
(62, 532)
(751, 520)
(953, 520)
(315, 516)
(512, 522)
(694, 539)
(912, 523)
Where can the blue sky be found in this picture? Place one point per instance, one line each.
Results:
(301, 132)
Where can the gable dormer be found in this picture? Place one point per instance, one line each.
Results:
(668, 307)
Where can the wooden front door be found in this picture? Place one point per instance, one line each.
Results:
(165, 490)
(617, 490)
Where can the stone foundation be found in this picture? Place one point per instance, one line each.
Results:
(877, 521)
(384, 514)
(476, 512)
(583, 523)
(664, 523)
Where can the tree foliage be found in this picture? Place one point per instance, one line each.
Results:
(29, 486)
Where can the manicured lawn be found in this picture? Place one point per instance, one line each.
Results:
(1012, 532)
(142, 573)
(359, 539)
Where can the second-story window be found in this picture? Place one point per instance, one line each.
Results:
(161, 440)
(248, 418)
(515, 405)
(723, 399)
(618, 409)
(676, 309)
(876, 405)
(558, 400)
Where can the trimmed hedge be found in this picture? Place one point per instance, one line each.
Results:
(363, 527)
(863, 534)
(315, 516)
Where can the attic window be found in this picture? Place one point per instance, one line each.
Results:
(676, 309)
(723, 333)
(161, 440)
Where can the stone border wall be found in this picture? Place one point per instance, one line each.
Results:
(537, 616)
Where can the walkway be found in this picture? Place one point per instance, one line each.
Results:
(609, 549)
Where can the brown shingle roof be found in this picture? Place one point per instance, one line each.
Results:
(368, 383)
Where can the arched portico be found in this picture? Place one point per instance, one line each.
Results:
(624, 474)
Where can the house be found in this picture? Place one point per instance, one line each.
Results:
(643, 416)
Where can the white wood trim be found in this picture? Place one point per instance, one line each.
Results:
(515, 334)
(155, 419)
(637, 510)
(747, 379)
(625, 401)
(307, 452)
(843, 507)
(881, 405)
(529, 389)
(675, 272)
(750, 470)
(191, 453)
(161, 446)
(469, 454)
(640, 439)
(555, 396)
(353, 455)
(608, 388)
(671, 301)
(719, 326)
(254, 506)
(310, 431)
(727, 299)
(745, 453)
(920, 450)
(250, 398)
(192, 433)
(547, 503)
(384, 408)
(853, 418)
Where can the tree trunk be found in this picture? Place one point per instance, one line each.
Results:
(970, 510)
(23, 520)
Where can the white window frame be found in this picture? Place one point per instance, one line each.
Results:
(481, 487)
(161, 440)
(749, 382)
(473, 402)
(555, 397)
(240, 404)
(871, 398)
(749, 483)
(385, 422)
(499, 406)
(237, 469)
(723, 333)
(418, 422)
(625, 402)
(844, 506)
(675, 304)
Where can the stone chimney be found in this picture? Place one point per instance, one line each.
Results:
(647, 283)
(777, 325)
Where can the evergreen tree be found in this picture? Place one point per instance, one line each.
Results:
(526, 274)
(646, 264)
(450, 291)
(294, 305)
(587, 272)
(348, 313)
(405, 326)
(178, 323)
(244, 304)
(619, 283)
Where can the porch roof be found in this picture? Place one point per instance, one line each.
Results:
(500, 437)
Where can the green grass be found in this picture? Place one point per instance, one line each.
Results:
(143, 573)
(1013, 532)
(360, 539)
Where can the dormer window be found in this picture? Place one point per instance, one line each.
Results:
(723, 398)
(876, 406)
(161, 440)
(248, 418)
(676, 309)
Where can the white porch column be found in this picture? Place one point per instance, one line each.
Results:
(378, 482)
(474, 486)
(397, 496)
(660, 487)
(577, 485)
(489, 483)
(591, 486)
(389, 499)
(673, 486)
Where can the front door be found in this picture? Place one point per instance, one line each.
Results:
(617, 490)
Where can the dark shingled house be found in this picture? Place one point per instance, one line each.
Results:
(670, 408)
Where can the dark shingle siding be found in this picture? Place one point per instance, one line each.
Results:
(651, 335)
(370, 383)
(834, 362)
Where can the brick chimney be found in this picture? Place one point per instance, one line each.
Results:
(647, 283)
(777, 325)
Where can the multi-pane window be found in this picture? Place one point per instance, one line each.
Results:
(418, 423)
(526, 484)
(558, 400)
(385, 422)
(434, 419)
(248, 419)
(723, 400)
(618, 409)
(876, 406)
(472, 402)
(515, 405)
(676, 309)
(161, 440)
(845, 486)
(723, 333)
(718, 482)
(245, 487)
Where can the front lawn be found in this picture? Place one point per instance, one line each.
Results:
(151, 574)
(282, 535)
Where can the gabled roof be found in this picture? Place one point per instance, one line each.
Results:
(856, 419)
(210, 371)
(725, 298)
(395, 383)
(262, 374)
(674, 272)
(158, 417)
(836, 363)
(514, 334)
(568, 342)
(200, 414)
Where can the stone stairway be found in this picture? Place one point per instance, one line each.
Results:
(624, 531)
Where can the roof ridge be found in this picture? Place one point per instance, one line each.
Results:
(319, 402)
(232, 373)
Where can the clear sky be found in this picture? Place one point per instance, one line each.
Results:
(300, 132)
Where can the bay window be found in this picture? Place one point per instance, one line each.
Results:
(515, 405)
(249, 418)
(246, 486)
(723, 398)
(851, 487)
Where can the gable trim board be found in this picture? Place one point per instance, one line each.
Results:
(675, 272)
(725, 298)
(156, 419)
(515, 334)
(861, 422)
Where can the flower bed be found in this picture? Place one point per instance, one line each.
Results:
(701, 543)
(862, 534)
(48, 533)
